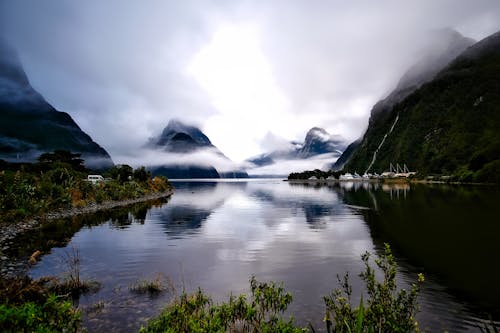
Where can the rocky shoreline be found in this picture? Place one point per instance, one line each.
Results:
(9, 231)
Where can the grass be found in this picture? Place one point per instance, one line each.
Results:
(154, 286)
(72, 283)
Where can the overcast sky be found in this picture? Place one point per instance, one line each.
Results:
(250, 74)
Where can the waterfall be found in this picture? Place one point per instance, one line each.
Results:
(374, 158)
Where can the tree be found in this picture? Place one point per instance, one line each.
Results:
(73, 160)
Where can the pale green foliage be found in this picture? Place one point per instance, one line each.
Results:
(387, 309)
(262, 312)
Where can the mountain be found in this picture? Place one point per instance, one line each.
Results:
(346, 155)
(444, 46)
(448, 126)
(30, 126)
(317, 142)
(181, 138)
(186, 141)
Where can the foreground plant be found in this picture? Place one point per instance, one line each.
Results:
(388, 309)
(30, 306)
(261, 312)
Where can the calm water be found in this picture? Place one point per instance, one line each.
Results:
(218, 234)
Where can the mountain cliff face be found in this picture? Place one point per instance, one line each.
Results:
(317, 142)
(446, 45)
(30, 126)
(449, 126)
(182, 139)
(346, 155)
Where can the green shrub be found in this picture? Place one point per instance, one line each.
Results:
(53, 315)
(387, 309)
(262, 312)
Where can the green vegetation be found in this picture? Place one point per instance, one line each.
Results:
(58, 181)
(449, 126)
(153, 286)
(316, 173)
(387, 308)
(42, 306)
(53, 315)
(262, 312)
(30, 306)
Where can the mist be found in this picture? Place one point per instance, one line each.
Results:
(122, 70)
(283, 167)
(154, 158)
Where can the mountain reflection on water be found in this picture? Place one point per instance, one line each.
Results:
(217, 234)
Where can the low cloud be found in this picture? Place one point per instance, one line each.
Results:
(154, 158)
(285, 167)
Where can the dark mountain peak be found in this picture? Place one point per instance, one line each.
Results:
(488, 45)
(15, 89)
(10, 65)
(174, 127)
(319, 141)
(180, 138)
(29, 126)
(443, 46)
(317, 132)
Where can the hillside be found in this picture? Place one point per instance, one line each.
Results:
(449, 126)
(29, 126)
(444, 46)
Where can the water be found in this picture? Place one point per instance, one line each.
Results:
(217, 234)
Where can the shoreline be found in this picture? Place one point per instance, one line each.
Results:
(9, 231)
(382, 181)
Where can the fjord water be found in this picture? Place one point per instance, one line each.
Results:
(216, 235)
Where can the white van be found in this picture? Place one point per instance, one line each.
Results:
(94, 179)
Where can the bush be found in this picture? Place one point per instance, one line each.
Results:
(197, 313)
(53, 315)
(387, 309)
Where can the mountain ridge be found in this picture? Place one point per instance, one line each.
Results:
(29, 125)
(449, 126)
(423, 71)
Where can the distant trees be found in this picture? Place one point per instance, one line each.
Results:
(59, 180)
(63, 157)
(124, 172)
(316, 173)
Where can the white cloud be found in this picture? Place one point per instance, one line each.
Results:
(203, 157)
(238, 69)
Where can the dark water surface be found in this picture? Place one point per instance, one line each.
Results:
(217, 234)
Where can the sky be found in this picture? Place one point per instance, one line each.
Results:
(251, 74)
